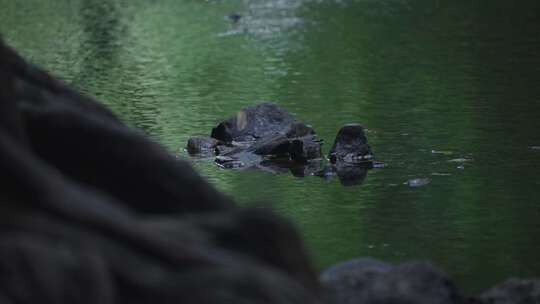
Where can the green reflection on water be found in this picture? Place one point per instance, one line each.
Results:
(420, 75)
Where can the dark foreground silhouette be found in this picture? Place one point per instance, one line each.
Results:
(94, 212)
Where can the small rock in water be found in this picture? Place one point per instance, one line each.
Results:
(418, 182)
(459, 160)
(461, 167)
(440, 174)
(442, 152)
(379, 165)
(234, 17)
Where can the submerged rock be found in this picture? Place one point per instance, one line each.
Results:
(418, 182)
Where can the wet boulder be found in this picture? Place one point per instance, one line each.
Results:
(350, 146)
(259, 133)
(299, 129)
(305, 148)
(254, 122)
(201, 145)
(513, 291)
(350, 156)
(368, 281)
(277, 145)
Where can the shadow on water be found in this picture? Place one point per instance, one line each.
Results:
(348, 175)
(107, 34)
(101, 25)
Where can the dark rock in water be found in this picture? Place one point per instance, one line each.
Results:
(252, 123)
(299, 129)
(369, 281)
(350, 146)
(513, 291)
(305, 148)
(276, 145)
(201, 145)
(225, 149)
(94, 212)
(350, 155)
(235, 17)
(265, 133)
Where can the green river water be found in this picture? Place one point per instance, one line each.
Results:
(458, 78)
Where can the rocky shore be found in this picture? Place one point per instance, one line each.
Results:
(92, 211)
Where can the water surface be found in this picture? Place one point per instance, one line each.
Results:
(448, 90)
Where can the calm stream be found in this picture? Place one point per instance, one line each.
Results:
(448, 90)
